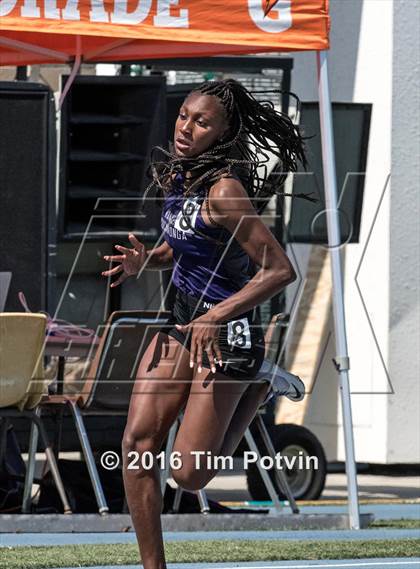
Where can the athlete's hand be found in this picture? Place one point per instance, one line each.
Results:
(204, 336)
(131, 260)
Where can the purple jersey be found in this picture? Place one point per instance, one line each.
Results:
(202, 267)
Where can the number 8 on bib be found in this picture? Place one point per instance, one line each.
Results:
(238, 333)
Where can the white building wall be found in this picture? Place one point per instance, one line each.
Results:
(362, 68)
(404, 316)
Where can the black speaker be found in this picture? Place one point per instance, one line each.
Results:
(83, 296)
(351, 125)
(108, 128)
(27, 190)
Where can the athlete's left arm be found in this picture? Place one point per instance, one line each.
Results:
(231, 207)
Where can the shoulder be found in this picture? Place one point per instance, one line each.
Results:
(229, 201)
(228, 187)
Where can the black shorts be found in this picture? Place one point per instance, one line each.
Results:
(241, 339)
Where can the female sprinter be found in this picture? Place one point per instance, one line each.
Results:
(203, 362)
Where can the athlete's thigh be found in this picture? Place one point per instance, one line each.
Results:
(211, 404)
(160, 390)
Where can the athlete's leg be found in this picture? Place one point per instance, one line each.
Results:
(159, 393)
(243, 416)
(208, 413)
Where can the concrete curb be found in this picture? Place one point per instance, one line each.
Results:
(82, 523)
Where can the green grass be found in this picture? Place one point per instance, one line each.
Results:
(396, 524)
(205, 551)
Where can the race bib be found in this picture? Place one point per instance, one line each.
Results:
(238, 333)
(189, 210)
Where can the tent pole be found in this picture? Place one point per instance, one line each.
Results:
(341, 360)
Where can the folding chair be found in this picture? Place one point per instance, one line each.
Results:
(107, 387)
(22, 386)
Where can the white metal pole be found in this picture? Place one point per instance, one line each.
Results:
(341, 360)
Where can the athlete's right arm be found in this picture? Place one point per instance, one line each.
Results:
(133, 260)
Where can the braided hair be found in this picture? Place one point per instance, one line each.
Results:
(256, 130)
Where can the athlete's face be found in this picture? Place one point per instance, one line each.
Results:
(201, 122)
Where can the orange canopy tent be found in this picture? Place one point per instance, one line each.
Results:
(58, 31)
(49, 31)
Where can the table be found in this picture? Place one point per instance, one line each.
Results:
(70, 348)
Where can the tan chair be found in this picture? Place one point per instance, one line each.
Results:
(23, 385)
(21, 350)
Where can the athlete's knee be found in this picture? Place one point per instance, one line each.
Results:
(189, 479)
(192, 476)
(139, 450)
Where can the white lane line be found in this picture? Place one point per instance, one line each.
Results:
(357, 564)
